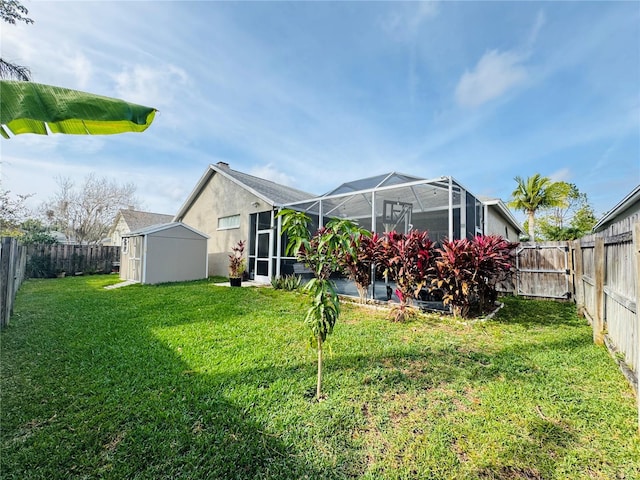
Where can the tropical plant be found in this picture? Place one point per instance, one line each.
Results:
(407, 260)
(402, 311)
(320, 253)
(455, 275)
(287, 282)
(493, 262)
(535, 193)
(237, 262)
(357, 262)
(469, 270)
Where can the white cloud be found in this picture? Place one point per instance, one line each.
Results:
(269, 172)
(562, 175)
(495, 74)
(82, 68)
(541, 19)
(151, 86)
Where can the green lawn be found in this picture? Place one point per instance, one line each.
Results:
(197, 381)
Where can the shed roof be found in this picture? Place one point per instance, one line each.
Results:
(162, 227)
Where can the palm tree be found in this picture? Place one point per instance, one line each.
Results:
(534, 193)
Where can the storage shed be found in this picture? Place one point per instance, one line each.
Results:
(169, 252)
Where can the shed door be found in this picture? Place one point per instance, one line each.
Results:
(135, 258)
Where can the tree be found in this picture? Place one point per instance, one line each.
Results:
(572, 220)
(320, 253)
(35, 232)
(535, 193)
(86, 214)
(12, 11)
(13, 211)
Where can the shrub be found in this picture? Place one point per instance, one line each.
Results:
(467, 271)
(288, 282)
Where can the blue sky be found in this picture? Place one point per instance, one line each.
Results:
(317, 93)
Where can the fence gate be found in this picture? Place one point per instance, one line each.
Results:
(543, 271)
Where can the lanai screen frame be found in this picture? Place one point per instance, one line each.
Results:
(432, 200)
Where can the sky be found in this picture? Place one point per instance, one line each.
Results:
(314, 94)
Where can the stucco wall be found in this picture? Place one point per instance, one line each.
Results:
(496, 224)
(221, 197)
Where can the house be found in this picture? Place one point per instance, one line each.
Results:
(498, 220)
(228, 206)
(627, 207)
(169, 252)
(129, 220)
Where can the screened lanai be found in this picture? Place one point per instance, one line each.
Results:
(395, 201)
(400, 202)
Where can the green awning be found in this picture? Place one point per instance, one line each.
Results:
(27, 107)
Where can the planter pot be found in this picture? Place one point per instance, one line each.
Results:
(235, 282)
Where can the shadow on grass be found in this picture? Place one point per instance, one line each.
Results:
(93, 396)
(104, 397)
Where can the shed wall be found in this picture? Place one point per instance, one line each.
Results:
(175, 255)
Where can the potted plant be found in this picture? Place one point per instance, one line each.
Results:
(237, 264)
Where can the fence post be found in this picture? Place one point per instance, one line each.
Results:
(578, 287)
(5, 255)
(598, 321)
(636, 248)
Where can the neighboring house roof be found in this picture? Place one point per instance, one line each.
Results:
(162, 227)
(504, 211)
(627, 203)
(137, 219)
(271, 192)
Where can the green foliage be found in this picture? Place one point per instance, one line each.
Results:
(40, 266)
(172, 381)
(324, 311)
(287, 282)
(571, 221)
(34, 232)
(535, 193)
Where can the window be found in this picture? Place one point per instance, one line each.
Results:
(232, 221)
(125, 245)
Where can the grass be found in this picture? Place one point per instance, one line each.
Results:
(199, 381)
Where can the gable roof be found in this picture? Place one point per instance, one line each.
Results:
(137, 219)
(272, 193)
(625, 204)
(162, 227)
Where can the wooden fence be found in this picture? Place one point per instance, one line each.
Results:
(13, 257)
(51, 260)
(608, 291)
